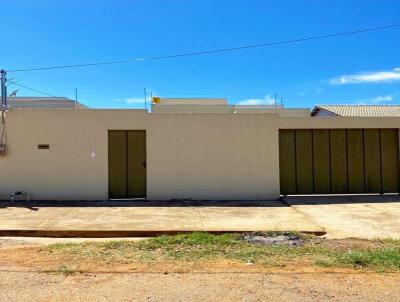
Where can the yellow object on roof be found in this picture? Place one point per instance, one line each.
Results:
(156, 100)
(356, 110)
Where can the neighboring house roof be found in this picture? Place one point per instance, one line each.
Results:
(220, 105)
(359, 110)
(191, 101)
(43, 103)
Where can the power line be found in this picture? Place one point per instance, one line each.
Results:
(276, 43)
(75, 65)
(33, 89)
(198, 53)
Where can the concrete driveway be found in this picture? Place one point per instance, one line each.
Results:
(337, 216)
(367, 216)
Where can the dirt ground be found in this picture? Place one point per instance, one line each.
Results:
(31, 286)
(26, 276)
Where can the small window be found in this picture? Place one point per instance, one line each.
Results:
(43, 147)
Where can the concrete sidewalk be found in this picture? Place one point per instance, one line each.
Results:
(116, 219)
(366, 217)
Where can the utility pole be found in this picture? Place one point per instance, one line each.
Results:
(76, 98)
(3, 74)
(3, 109)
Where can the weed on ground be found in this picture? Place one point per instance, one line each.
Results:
(270, 249)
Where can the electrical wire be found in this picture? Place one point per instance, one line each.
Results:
(198, 53)
(33, 89)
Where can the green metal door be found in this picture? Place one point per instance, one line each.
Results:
(127, 164)
(355, 160)
(390, 160)
(372, 161)
(321, 158)
(338, 146)
(117, 170)
(136, 150)
(304, 162)
(323, 161)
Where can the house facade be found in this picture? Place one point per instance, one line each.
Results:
(187, 151)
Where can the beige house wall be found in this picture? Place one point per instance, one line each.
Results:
(189, 156)
(197, 156)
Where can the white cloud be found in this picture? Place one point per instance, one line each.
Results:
(382, 99)
(267, 100)
(138, 101)
(133, 100)
(368, 77)
(376, 100)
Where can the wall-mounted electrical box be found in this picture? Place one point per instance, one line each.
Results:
(43, 146)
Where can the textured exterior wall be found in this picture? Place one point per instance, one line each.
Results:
(195, 156)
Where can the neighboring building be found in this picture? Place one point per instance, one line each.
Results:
(356, 110)
(169, 105)
(43, 103)
(196, 149)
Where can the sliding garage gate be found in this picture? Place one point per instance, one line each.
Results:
(338, 161)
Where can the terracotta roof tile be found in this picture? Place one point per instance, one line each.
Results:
(360, 110)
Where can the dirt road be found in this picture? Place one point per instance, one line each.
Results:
(29, 286)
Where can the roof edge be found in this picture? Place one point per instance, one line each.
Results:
(318, 108)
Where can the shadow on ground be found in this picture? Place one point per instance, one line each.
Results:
(282, 202)
(340, 199)
(34, 205)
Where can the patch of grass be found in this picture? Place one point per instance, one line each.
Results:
(383, 258)
(390, 242)
(325, 262)
(67, 270)
(191, 239)
(201, 246)
(117, 245)
(61, 246)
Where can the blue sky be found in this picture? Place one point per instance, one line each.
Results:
(362, 68)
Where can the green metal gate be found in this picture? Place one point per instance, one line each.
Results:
(339, 161)
(127, 163)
